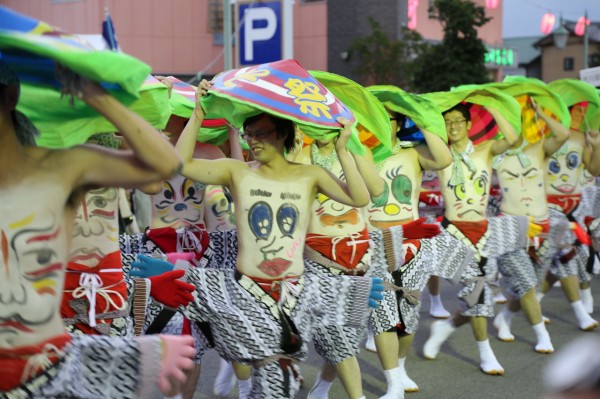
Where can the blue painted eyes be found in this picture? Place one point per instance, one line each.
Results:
(287, 218)
(260, 219)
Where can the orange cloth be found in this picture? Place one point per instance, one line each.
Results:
(113, 279)
(13, 361)
(348, 251)
(567, 203)
(472, 230)
(166, 239)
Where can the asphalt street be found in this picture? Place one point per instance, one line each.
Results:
(455, 373)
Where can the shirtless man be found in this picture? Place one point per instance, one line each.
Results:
(34, 237)
(260, 313)
(338, 243)
(401, 174)
(564, 162)
(465, 185)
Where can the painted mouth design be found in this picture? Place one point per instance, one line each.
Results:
(16, 325)
(274, 267)
(564, 188)
(384, 224)
(462, 214)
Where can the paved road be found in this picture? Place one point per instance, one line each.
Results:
(455, 373)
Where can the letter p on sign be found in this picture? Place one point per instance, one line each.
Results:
(260, 35)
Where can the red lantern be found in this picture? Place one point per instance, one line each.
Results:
(491, 4)
(548, 23)
(580, 26)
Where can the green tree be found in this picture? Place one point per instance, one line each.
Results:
(459, 58)
(382, 60)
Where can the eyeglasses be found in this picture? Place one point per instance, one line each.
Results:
(259, 135)
(457, 122)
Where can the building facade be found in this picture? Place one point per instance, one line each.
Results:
(184, 37)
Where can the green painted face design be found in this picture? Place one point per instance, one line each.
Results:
(402, 189)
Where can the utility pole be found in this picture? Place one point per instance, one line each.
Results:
(227, 42)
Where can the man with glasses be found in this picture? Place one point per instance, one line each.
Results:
(465, 186)
(262, 313)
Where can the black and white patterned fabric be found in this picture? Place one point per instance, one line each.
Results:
(387, 315)
(247, 325)
(504, 234)
(519, 273)
(332, 342)
(98, 367)
(443, 256)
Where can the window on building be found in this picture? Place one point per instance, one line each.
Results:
(568, 63)
(215, 16)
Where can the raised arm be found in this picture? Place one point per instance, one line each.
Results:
(510, 135)
(561, 133)
(591, 153)
(437, 156)
(353, 192)
(366, 167)
(145, 141)
(217, 172)
(151, 159)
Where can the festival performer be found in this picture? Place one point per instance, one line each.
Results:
(177, 228)
(465, 185)
(338, 241)
(563, 189)
(38, 357)
(398, 205)
(262, 313)
(521, 178)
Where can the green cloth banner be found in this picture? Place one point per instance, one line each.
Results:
(369, 112)
(574, 91)
(63, 125)
(482, 95)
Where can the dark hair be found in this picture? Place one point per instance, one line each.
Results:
(462, 108)
(283, 127)
(399, 118)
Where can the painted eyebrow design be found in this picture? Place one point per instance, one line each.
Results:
(484, 176)
(529, 171)
(510, 173)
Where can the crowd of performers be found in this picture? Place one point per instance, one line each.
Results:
(257, 253)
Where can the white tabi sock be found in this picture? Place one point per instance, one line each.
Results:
(587, 299)
(320, 390)
(436, 307)
(489, 363)
(586, 323)
(544, 345)
(407, 382)
(174, 397)
(225, 380)
(395, 390)
(244, 386)
(502, 323)
(370, 343)
(440, 332)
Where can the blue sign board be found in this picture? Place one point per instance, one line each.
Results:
(260, 33)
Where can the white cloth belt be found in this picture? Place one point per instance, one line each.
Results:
(90, 285)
